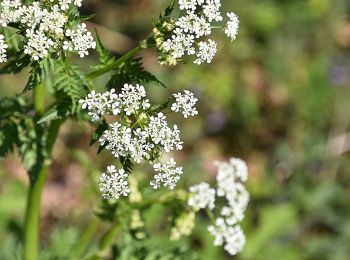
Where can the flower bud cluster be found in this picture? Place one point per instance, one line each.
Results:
(141, 132)
(47, 28)
(185, 34)
(229, 185)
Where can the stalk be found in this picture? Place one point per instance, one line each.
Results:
(105, 242)
(85, 239)
(114, 64)
(32, 216)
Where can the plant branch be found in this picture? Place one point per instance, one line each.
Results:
(115, 64)
(105, 242)
(85, 238)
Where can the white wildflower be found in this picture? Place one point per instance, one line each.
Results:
(231, 28)
(82, 40)
(3, 48)
(114, 183)
(168, 174)
(185, 103)
(188, 30)
(206, 52)
(212, 10)
(47, 27)
(202, 196)
(226, 230)
(232, 237)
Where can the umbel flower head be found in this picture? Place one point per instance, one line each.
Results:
(47, 28)
(188, 34)
(229, 185)
(141, 131)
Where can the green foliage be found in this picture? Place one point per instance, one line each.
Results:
(32, 146)
(8, 138)
(150, 249)
(69, 85)
(35, 77)
(103, 54)
(132, 72)
(16, 64)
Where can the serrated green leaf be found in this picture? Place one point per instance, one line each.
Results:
(132, 72)
(170, 8)
(16, 65)
(70, 80)
(32, 142)
(102, 126)
(8, 138)
(126, 164)
(11, 106)
(35, 78)
(50, 115)
(161, 107)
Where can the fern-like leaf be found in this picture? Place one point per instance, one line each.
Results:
(132, 72)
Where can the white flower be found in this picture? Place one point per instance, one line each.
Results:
(168, 174)
(195, 23)
(185, 103)
(188, 4)
(3, 47)
(231, 28)
(226, 230)
(46, 27)
(202, 196)
(232, 237)
(212, 10)
(133, 99)
(114, 183)
(82, 40)
(162, 134)
(206, 52)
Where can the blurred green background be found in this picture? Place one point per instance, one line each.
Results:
(278, 97)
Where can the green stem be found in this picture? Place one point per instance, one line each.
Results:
(114, 64)
(31, 225)
(39, 99)
(105, 242)
(85, 238)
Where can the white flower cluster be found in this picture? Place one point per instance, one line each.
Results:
(114, 183)
(185, 103)
(45, 27)
(191, 27)
(202, 196)
(3, 48)
(229, 185)
(139, 133)
(168, 174)
(231, 28)
(232, 236)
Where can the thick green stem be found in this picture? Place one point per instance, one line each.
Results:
(31, 225)
(115, 64)
(39, 99)
(32, 217)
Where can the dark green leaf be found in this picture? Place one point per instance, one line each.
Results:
(99, 131)
(17, 65)
(35, 78)
(132, 72)
(8, 138)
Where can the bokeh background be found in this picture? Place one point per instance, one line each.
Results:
(278, 97)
